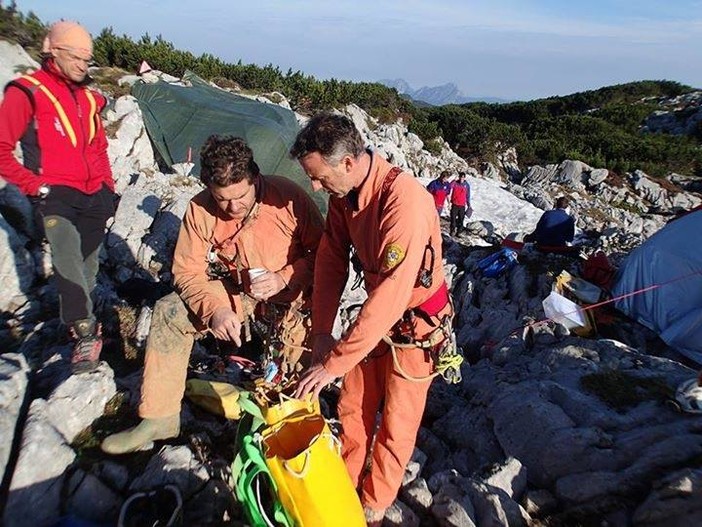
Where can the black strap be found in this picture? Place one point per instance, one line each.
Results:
(29, 91)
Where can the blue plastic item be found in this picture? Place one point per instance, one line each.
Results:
(498, 262)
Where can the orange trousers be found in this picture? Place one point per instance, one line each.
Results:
(168, 348)
(369, 385)
(170, 342)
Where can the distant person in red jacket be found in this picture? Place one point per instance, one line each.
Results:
(440, 188)
(66, 172)
(460, 204)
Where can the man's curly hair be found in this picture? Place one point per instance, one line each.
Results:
(225, 160)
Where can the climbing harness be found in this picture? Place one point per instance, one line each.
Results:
(441, 342)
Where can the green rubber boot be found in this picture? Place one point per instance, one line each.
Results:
(142, 436)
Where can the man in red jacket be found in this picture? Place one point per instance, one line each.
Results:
(66, 172)
(460, 204)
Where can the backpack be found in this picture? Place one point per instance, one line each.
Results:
(598, 270)
(497, 263)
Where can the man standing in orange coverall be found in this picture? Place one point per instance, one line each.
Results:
(390, 220)
(243, 220)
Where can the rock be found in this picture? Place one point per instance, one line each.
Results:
(14, 61)
(510, 476)
(90, 499)
(469, 432)
(16, 269)
(414, 466)
(675, 501)
(130, 149)
(176, 465)
(596, 176)
(538, 176)
(135, 214)
(571, 174)
(114, 475)
(452, 507)
(212, 505)
(540, 502)
(400, 515)
(156, 247)
(509, 163)
(34, 496)
(79, 400)
(17, 210)
(417, 495)
(648, 189)
(435, 450)
(489, 171)
(128, 80)
(13, 388)
(494, 508)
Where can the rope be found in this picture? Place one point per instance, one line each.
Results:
(445, 360)
(600, 304)
(402, 372)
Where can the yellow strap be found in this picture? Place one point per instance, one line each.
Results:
(59, 109)
(93, 115)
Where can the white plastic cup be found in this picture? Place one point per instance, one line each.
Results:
(250, 275)
(256, 272)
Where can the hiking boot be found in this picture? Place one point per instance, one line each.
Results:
(374, 517)
(142, 436)
(87, 347)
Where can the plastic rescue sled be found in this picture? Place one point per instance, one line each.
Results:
(219, 398)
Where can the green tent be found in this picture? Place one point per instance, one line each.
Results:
(180, 118)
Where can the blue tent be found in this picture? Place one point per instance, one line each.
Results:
(672, 259)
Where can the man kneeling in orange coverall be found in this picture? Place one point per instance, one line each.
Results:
(390, 221)
(242, 221)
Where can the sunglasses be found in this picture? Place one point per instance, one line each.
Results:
(71, 55)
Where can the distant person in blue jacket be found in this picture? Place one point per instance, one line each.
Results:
(440, 189)
(556, 228)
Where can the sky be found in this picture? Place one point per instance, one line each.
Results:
(511, 49)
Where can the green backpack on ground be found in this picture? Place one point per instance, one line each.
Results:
(253, 485)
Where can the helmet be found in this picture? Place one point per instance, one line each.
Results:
(689, 396)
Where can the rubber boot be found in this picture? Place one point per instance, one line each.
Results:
(142, 436)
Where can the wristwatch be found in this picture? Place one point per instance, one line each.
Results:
(43, 191)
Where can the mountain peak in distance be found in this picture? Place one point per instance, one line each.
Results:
(436, 95)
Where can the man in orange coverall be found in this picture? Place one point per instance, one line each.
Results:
(242, 221)
(391, 222)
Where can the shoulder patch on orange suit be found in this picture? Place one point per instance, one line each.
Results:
(393, 254)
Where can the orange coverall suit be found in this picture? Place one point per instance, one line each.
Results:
(281, 234)
(391, 244)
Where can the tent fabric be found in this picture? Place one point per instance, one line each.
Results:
(180, 118)
(671, 258)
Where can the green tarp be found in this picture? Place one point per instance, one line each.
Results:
(180, 118)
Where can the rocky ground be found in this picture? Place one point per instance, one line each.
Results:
(547, 428)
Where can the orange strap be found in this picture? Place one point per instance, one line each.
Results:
(92, 116)
(59, 109)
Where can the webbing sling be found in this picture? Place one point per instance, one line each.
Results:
(251, 477)
(57, 105)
